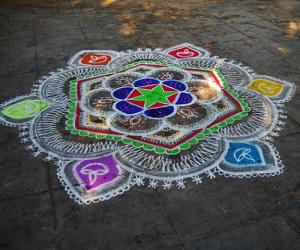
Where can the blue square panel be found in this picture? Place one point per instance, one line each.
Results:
(242, 154)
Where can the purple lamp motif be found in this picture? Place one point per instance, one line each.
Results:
(95, 173)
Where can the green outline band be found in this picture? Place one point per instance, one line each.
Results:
(159, 150)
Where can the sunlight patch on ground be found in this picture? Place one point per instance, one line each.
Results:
(105, 3)
(128, 29)
(293, 28)
(283, 50)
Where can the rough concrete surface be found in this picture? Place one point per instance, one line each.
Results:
(260, 213)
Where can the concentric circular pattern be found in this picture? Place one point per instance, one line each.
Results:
(154, 98)
(112, 120)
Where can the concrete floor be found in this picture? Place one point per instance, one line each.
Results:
(36, 213)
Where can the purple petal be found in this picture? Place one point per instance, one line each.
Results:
(175, 85)
(122, 93)
(159, 112)
(184, 98)
(127, 108)
(145, 82)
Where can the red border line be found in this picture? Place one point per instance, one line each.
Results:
(138, 138)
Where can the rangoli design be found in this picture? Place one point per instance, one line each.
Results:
(112, 120)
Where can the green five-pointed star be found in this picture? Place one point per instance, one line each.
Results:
(157, 94)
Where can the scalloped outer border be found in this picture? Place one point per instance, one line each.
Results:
(138, 180)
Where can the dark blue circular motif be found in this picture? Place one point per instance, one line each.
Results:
(184, 98)
(122, 93)
(175, 85)
(145, 82)
(127, 108)
(159, 112)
